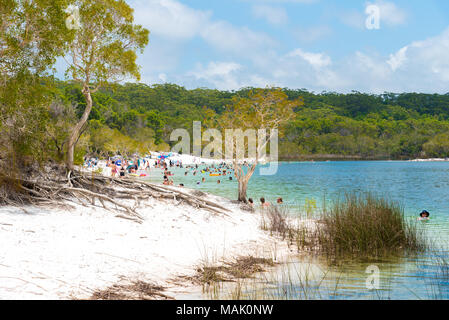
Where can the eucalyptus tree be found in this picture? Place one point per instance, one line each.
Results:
(104, 49)
(250, 123)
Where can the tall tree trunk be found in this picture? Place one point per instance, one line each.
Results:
(74, 135)
(243, 186)
(243, 180)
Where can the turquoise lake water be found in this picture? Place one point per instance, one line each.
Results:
(415, 185)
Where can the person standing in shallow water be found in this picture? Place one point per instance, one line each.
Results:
(263, 203)
(114, 170)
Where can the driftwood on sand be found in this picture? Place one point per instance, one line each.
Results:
(119, 195)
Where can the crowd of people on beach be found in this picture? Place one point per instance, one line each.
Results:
(141, 166)
(123, 167)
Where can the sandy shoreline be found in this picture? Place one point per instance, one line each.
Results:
(66, 253)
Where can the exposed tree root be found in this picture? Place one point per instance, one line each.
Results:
(56, 187)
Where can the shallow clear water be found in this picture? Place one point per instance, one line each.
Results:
(415, 185)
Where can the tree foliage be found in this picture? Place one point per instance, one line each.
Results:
(321, 128)
(31, 36)
(103, 49)
(267, 109)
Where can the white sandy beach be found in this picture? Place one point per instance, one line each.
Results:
(431, 160)
(49, 253)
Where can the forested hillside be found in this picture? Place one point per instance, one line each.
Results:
(138, 117)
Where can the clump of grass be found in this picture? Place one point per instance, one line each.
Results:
(245, 267)
(366, 226)
(274, 219)
(278, 221)
(210, 275)
(137, 290)
(289, 282)
(240, 268)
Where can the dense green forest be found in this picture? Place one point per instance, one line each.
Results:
(139, 117)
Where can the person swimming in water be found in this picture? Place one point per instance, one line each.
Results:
(424, 215)
(279, 200)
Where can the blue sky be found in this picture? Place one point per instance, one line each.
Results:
(314, 44)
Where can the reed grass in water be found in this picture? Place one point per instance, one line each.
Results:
(367, 226)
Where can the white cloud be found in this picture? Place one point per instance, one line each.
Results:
(176, 22)
(302, 69)
(240, 40)
(283, 1)
(370, 66)
(173, 24)
(428, 58)
(170, 18)
(397, 59)
(274, 15)
(244, 57)
(420, 66)
(217, 69)
(317, 60)
(221, 74)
